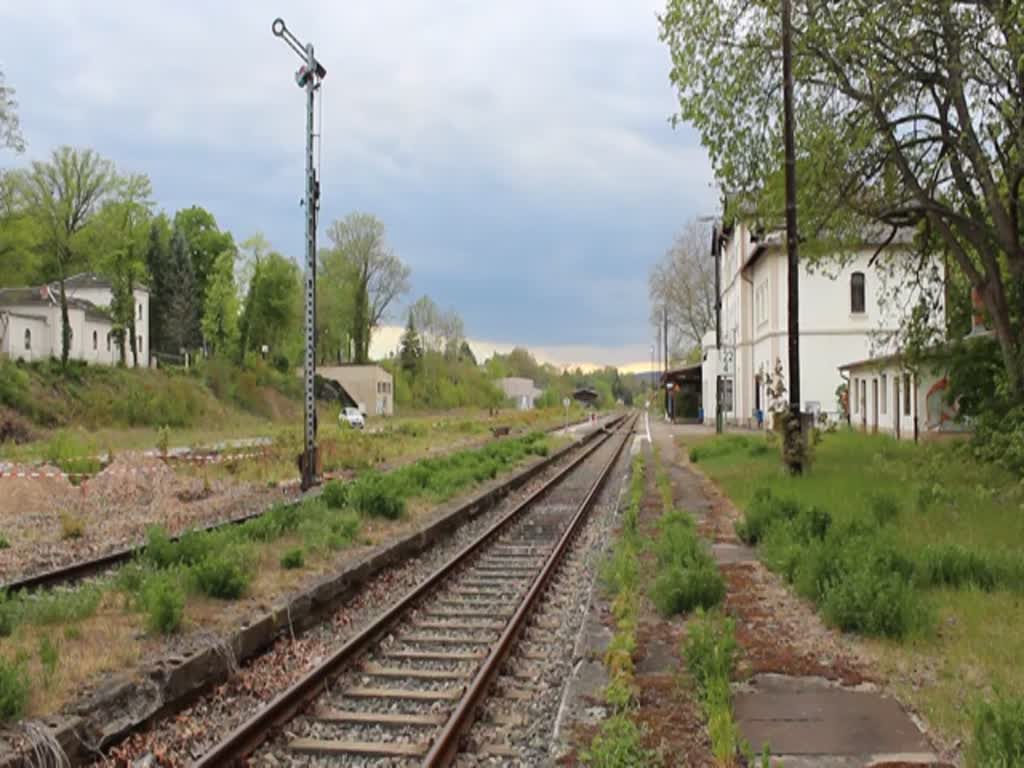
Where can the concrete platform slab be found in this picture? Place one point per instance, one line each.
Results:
(726, 554)
(804, 716)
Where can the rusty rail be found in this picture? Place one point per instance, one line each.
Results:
(251, 734)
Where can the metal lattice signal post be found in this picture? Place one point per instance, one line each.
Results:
(308, 77)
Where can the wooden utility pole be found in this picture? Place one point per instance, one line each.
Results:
(794, 453)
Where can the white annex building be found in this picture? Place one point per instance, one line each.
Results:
(30, 324)
(842, 318)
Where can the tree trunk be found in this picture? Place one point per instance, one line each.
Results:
(131, 323)
(65, 324)
(1009, 344)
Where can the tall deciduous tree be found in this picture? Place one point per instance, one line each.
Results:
(117, 238)
(910, 115)
(10, 125)
(64, 193)
(220, 313)
(378, 275)
(684, 282)
(335, 304)
(158, 265)
(273, 307)
(205, 244)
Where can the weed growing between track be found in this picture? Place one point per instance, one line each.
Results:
(618, 743)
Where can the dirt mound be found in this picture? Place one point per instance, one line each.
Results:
(20, 496)
(133, 478)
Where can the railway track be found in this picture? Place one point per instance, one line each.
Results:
(83, 569)
(409, 685)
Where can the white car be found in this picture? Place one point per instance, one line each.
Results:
(353, 417)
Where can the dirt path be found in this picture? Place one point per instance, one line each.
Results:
(807, 692)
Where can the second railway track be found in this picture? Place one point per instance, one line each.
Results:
(408, 686)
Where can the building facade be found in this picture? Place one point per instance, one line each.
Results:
(886, 397)
(30, 322)
(369, 386)
(519, 390)
(845, 313)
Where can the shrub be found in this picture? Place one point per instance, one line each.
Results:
(884, 508)
(293, 558)
(4, 543)
(764, 510)
(222, 576)
(377, 496)
(621, 569)
(14, 689)
(871, 599)
(164, 602)
(998, 733)
(163, 440)
(71, 526)
(618, 745)
(8, 615)
(335, 494)
(49, 657)
(346, 527)
(951, 565)
(679, 589)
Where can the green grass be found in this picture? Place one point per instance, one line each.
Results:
(918, 544)
(14, 689)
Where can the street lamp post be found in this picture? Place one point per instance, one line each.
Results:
(309, 77)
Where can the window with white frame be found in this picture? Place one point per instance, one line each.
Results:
(28, 339)
(761, 303)
(883, 397)
(95, 341)
(854, 408)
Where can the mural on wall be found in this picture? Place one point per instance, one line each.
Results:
(940, 415)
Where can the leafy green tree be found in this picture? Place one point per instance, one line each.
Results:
(378, 276)
(205, 243)
(273, 307)
(411, 350)
(10, 125)
(335, 304)
(161, 280)
(19, 234)
(220, 313)
(117, 241)
(466, 353)
(909, 115)
(182, 308)
(63, 194)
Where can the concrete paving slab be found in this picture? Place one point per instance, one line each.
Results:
(726, 554)
(659, 657)
(803, 716)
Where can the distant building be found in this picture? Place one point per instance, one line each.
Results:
(586, 396)
(521, 391)
(370, 387)
(30, 322)
(841, 319)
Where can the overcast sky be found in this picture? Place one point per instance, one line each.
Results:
(519, 153)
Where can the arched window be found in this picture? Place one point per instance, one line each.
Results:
(140, 311)
(95, 341)
(28, 339)
(857, 293)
